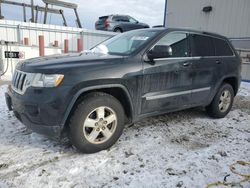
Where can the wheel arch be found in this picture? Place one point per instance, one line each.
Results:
(234, 82)
(118, 91)
(118, 27)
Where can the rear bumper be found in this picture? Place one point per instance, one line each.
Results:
(36, 113)
(104, 28)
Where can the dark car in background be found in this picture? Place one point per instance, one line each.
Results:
(131, 76)
(119, 23)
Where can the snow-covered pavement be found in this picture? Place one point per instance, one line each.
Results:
(183, 149)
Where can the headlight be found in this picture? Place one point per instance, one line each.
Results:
(47, 80)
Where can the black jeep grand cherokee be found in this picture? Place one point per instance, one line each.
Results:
(92, 95)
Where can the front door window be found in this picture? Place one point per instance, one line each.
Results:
(178, 43)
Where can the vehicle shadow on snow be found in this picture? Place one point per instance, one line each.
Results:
(191, 129)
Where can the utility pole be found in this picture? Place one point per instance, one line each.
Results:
(46, 13)
(77, 19)
(1, 16)
(165, 14)
(32, 11)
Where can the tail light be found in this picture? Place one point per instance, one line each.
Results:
(106, 24)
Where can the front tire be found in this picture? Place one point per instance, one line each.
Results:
(222, 102)
(97, 123)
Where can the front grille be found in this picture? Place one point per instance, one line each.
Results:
(18, 81)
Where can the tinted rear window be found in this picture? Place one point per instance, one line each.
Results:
(103, 18)
(202, 45)
(222, 48)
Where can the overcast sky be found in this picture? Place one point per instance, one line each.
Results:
(148, 11)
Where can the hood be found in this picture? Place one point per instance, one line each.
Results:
(56, 63)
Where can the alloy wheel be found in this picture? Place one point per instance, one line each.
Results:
(225, 101)
(100, 125)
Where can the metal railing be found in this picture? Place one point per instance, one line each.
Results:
(245, 55)
(14, 31)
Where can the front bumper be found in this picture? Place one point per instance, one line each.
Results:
(39, 110)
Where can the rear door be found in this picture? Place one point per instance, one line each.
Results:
(123, 22)
(206, 67)
(225, 57)
(167, 83)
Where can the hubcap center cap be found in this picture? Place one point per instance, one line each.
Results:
(100, 123)
(226, 101)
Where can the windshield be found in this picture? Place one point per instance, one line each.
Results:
(126, 43)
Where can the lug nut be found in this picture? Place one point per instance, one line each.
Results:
(96, 124)
(105, 122)
(103, 128)
(97, 129)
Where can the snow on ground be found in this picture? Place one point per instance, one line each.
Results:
(183, 149)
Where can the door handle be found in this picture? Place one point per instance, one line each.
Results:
(218, 62)
(186, 64)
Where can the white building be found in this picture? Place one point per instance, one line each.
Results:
(227, 17)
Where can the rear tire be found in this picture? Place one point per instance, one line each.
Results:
(97, 123)
(222, 102)
(118, 30)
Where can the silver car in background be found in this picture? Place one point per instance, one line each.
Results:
(118, 23)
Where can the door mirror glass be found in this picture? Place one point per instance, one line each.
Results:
(160, 51)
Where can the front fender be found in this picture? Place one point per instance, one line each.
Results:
(90, 88)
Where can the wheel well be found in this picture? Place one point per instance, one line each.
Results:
(233, 82)
(118, 28)
(116, 92)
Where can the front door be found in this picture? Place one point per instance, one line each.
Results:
(167, 83)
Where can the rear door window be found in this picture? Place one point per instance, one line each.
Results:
(202, 46)
(116, 18)
(178, 42)
(120, 19)
(124, 19)
(222, 48)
